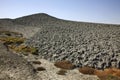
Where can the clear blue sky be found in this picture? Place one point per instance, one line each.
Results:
(100, 11)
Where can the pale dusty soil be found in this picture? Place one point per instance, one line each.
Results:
(14, 67)
(51, 71)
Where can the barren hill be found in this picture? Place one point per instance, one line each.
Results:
(91, 44)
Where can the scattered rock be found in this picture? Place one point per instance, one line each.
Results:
(40, 69)
(36, 62)
(62, 72)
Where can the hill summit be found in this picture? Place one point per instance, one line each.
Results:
(35, 19)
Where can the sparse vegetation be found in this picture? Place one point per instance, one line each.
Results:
(87, 70)
(76, 41)
(36, 62)
(14, 43)
(109, 77)
(8, 37)
(106, 74)
(62, 72)
(14, 64)
(40, 69)
(64, 64)
(10, 40)
(23, 48)
(10, 33)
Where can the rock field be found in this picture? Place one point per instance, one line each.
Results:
(84, 44)
(95, 45)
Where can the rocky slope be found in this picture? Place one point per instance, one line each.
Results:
(10, 25)
(20, 67)
(95, 45)
(83, 44)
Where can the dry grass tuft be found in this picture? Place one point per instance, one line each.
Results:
(110, 71)
(14, 42)
(9, 33)
(64, 65)
(9, 40)
(87, 70)
(23, 48)
(11, 37)
(108, 77)
(100, 73)
(40, 69)
(36, 62)
(115, 71)
(106, 74)
(62, 72)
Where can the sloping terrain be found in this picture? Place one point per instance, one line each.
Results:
(95, 45)
(14, 67)
(22, 65)
(10, 25)
(84, 44)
